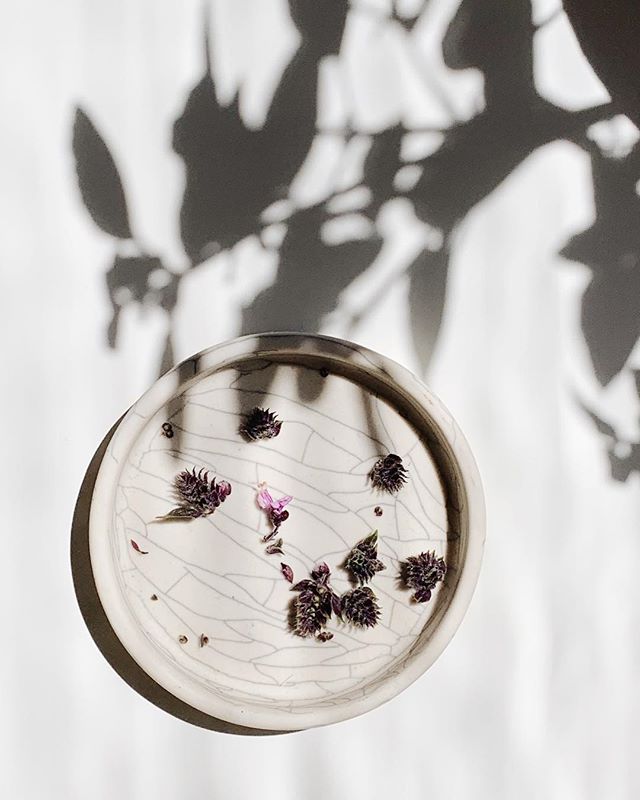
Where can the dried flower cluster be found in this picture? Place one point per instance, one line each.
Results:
(260, 423)
(315, 604)
(389, 474)
(422, 573)
(198, 495)
(362, 561)
(360, 607)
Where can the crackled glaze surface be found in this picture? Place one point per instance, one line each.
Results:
(212, 576)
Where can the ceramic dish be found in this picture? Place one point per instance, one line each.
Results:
(342, 408)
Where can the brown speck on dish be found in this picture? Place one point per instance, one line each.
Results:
(377, 511)
(154, 596)
(204, 640)
(324, 372)
(167, 429)
(182, 639)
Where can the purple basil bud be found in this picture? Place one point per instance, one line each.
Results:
(260, 423)
(321, 573)
(422, 573)
(309, 615)
(389, 474)
(324, 636)
(316, 602)
(362, 560)
(360, 607)
(198, 495)
(287, 572)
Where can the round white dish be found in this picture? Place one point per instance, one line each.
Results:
(342, 407)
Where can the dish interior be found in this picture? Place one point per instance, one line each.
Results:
(212, 577)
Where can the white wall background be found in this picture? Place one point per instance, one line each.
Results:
(537, 695)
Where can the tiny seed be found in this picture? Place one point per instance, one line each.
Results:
(377, 511)
(324, 372)
(204, 640)
(154, 596)
(182, 639)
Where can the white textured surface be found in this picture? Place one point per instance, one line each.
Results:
(211, 577)
(234, 592)
(537, 696)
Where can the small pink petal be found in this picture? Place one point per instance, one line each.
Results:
(136, 547)
(278, 505)
(264, 499)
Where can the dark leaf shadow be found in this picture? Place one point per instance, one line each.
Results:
(427, 290)
(99, 180)
(310, 276)
(232, 173)
(611, 250)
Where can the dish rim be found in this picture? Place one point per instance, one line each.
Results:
(289, 348)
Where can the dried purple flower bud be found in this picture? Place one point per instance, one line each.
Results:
(360, 607)
(324, 636)
(321, 573)
(310, 616)
(362, 561)
(278, 517)
(287, 572)
(422, 573)
(377, 511)
(275, 509)
(260, 423)
(389, 474)
(198, 495)
(276, 547)
(315, 604)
